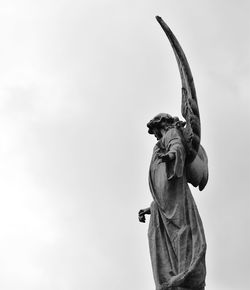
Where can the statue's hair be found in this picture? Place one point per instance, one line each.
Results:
(157, 121)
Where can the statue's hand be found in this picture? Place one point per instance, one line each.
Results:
(141, 214)
(166, 157)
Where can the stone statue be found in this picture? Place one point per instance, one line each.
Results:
(176, 237)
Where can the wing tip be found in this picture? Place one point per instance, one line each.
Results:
(159, 19)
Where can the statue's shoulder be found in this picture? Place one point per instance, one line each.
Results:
(173, 133)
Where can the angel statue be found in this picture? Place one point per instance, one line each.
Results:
(176, 237)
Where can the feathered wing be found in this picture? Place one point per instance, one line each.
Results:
(189, 107)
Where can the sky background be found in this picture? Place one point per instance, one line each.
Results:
(79, 80)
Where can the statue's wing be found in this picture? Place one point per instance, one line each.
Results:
(189, 108)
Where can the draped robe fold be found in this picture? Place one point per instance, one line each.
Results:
(176, 236)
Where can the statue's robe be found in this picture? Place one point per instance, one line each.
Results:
(176, 236)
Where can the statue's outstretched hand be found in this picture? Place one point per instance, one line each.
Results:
(142, 213)
(167, 157)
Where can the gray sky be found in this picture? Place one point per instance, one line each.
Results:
(79, 80)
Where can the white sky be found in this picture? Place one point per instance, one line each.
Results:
(79, 80)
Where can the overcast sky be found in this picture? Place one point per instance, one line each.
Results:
(79, 80)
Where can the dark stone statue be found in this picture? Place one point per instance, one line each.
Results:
(176, 237)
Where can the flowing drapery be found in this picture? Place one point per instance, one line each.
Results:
(176, 236)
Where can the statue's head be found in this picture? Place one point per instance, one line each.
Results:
(162, 122)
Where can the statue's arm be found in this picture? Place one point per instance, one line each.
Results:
(175, 155)
(142, 213)
(172, 146)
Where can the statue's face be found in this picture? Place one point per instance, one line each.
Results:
(157, 133)
(161, 130)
